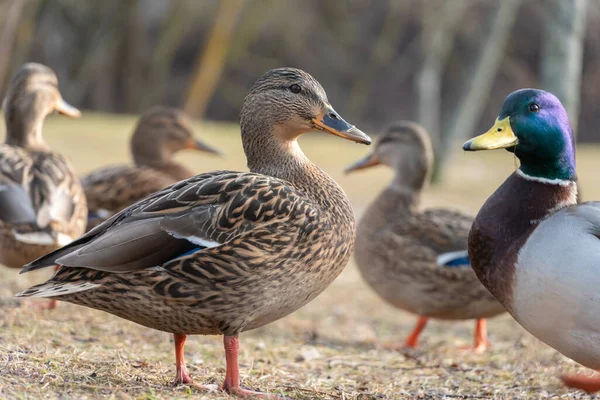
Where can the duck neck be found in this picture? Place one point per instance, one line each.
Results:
(402, 196)
(507, 219)
(269, 154)
(555, 160)
(25, 131)
(395, 201)
(561, 167)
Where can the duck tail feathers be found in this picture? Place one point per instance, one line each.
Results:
(52, 289)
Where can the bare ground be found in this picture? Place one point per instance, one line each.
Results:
(330, 349)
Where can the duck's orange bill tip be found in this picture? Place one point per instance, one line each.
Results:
(500, 136)
(364, 163)
(331, 122)
(197, 144)
(64, 108)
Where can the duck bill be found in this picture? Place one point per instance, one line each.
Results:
(64, 108)
(364, 163)
(331, 122)
(500, 136)
(197, 144)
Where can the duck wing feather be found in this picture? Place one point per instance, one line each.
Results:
(194, 215)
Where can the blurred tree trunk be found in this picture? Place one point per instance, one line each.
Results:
(174, 28)
(436, 43)
(562, 52)
(131, 55)
(211, 63)
(10, 21)
(479, 83)
(385, 47)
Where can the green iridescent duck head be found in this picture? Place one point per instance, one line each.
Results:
(535, 126)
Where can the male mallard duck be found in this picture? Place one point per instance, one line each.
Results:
(531, 245)
(42, 204)
(417, 260)
(160, 133)
(223, 252)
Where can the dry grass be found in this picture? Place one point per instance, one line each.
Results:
(327, 350)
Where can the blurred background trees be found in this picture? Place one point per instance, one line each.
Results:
(447, 64)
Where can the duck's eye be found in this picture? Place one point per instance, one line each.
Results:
(534, 108)
(295, 88)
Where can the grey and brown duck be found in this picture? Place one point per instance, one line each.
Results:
(160, 133)
(415, 259)
(531, 244)
(42, 204)
(223, 252)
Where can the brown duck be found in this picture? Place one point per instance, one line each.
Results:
(223, 252)
(42, 204)
(160, 133)
(417, 260)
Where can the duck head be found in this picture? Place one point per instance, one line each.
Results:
(282, 105)
(405, 147)
(534, 125)
(160, 133)
(32, 95)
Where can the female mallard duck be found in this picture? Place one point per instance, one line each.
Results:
(42, 205)
(160, 133)
(223, 252)
(531, 245)
(417, 260)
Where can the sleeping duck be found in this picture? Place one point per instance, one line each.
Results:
(223, 252)
(416, 259)
(531, 245)
(160, 133)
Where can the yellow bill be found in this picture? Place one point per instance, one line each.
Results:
(500, 136)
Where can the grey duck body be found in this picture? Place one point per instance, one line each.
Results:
(417, 260)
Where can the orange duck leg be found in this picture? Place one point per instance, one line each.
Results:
(231, 384)
(481, 342)
(413, 339)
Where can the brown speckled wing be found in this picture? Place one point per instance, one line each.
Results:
(202, 212)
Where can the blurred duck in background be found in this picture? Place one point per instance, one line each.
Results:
(223, 252)
(160, 133)
(417, 260)
(531, 244)
(42, 204)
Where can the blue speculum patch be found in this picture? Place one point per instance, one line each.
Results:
(458, 262)
(195, 249)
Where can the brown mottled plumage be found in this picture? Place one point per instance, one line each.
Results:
(401, 250)
(160, 133)
(223, 252)
(42, 205)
